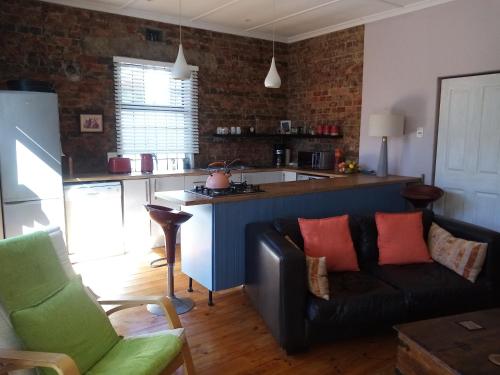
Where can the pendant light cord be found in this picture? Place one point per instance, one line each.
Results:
(180, 21)
(274, 24)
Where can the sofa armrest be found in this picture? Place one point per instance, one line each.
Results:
(276, 284)
(473, 232)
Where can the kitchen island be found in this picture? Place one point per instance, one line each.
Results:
(213, 241)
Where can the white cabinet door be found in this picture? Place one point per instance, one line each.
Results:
(263, 177)
(468, 150)
(163, 184)
(289, 176)
(136, 220)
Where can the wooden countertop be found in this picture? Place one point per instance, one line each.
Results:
(282, 189)
(105, 176)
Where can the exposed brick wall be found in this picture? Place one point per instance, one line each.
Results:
(38, 40)
(324, 87)
(321, 77)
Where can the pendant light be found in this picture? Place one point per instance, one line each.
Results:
(181, 69)
(273, 80)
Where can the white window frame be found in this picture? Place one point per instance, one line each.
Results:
(167, 159)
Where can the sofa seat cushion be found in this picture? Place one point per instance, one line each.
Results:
(357, 300)
(433, 290)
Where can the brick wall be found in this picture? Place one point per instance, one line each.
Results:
(74, 49)
(325, 82)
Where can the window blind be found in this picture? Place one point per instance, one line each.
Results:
(154, 112)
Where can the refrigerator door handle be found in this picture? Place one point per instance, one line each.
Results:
(21, 202)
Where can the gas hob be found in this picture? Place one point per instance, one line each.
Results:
(236, 188)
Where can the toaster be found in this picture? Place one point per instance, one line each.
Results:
(119, 165)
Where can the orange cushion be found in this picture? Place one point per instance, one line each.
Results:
(401, 238)
(330, 238)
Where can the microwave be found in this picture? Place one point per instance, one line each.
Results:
(316, 159)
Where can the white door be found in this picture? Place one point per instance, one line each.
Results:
(468, 150)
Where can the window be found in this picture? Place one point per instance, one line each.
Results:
(154, 112)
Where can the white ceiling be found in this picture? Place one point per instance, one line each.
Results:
(293, 20)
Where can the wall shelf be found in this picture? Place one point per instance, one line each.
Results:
(284, 136)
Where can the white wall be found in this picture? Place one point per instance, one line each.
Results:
(403, 58)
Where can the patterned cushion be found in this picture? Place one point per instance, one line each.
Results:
(317, 275)
(464, 257)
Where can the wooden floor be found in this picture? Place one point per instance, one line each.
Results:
(230, 337)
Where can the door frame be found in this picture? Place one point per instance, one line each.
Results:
(438, 110)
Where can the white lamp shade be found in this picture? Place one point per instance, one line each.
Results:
(273, 80)
(386, 125)
(181, 69)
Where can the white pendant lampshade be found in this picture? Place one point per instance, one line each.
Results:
(181, 69)
(273, 80)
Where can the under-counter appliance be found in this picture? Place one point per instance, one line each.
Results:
(95, 220)
(316, 159)
(30, 163)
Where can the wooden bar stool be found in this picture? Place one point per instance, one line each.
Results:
(420, 195)
(170, 220)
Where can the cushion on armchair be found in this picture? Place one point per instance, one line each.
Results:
(8, 337)
(31, 271)
(68, 322)
(139, 355)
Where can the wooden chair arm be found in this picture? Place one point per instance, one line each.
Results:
(128, 302)
(11, 360)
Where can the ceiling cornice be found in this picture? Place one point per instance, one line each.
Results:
(368, 19)
(197, 23)
(152, 16)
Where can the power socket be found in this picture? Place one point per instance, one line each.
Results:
(420, 132)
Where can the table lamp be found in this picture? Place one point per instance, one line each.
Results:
(385, 125)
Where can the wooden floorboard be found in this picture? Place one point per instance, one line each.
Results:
(230, 337)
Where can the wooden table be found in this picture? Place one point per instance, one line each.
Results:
(442, 346)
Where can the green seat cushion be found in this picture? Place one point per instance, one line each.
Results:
(68, 322)
(30, 271)
(139, 356)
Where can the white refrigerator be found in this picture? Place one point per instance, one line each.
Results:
(30, 163)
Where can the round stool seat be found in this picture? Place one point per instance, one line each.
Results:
(170, 220)
(165, 215)
(420, 195)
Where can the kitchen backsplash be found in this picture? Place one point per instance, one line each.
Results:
(74, 49)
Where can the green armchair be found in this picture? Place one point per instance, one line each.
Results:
(50, 321)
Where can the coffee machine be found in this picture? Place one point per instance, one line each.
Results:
(279, 155)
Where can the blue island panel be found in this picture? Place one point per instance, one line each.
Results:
(230, 219)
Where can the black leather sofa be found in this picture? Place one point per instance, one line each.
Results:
(362, 302)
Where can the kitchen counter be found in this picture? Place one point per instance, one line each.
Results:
(283, 189)
(213, 240)
(105, 176)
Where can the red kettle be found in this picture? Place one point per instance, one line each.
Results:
(147, 165)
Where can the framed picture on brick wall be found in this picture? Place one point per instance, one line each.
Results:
(91, 123)
(285, 126)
